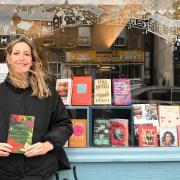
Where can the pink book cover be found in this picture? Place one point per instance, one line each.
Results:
(121, 91)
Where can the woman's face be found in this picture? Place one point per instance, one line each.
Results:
(168, 137)
(20, 59)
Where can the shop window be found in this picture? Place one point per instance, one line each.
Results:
(84, 36)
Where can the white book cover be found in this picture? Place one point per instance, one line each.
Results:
(3, 71)
(169, 116)
(168, 136)
(64, 89)
(102, 91)
(144, 113)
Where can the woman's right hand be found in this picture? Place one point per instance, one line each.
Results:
(5, 149)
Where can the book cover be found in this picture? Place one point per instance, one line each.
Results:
(151, 112)
(178, 135)
(147, 136)
(143, 113)
(138, 113)
(102, 91)
(20, 132)
(119, 132)
(64, 89)
(121, 91)
(79, 136)
(168, 136)
(169, 116)
(101, 135)
(82, 90)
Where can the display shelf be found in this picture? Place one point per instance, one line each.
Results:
(125, 154)
(109, 112)
(80, 112)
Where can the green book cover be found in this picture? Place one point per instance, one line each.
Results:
(101, 135)
(20, 132)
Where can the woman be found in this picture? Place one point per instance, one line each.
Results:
(25, 92)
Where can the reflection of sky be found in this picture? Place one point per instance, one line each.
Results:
(5, 19)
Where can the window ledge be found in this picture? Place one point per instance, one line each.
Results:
(134, 154)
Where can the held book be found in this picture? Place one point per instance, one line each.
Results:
(82, 90)
(64, 89)
(79, 136)
(20, 132)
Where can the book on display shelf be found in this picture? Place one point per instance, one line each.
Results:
(119, 132)
(102, 91)
(168, 136)
(64, 89)
(78, 138)
(148, 136)
(101, 134)
(169, 116)
(121, 91)
(82, 90)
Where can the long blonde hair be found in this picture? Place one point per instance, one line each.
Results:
(36, 74)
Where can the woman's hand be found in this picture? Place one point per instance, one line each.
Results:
(38, 149)
(5, 149)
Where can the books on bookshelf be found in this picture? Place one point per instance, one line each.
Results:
(119, 132)
(79, 136)
(64, 89)
(20, 132)
(82, 90)
(148, 135)
(102, 91)
(121, 91)
(168, 136)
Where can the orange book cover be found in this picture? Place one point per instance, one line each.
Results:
(147, 136)
(82, 90)
(178, 135)
(78, 138)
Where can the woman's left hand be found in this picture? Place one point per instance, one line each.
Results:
(38, 149)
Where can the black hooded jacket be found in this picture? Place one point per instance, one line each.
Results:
(52, 124)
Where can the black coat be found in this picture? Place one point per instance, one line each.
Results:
(52, 124)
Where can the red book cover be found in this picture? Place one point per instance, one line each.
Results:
(20, 132)
(147, 136)
(119, 132)
(82, 90)
(78, 138)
